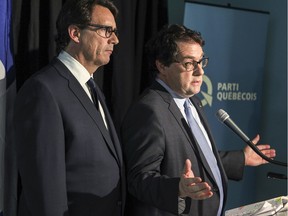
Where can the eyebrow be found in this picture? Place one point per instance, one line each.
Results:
(192, 57)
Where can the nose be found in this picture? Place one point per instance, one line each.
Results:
(114, 39)
(198, 71)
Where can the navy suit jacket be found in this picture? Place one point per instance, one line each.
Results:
(157, 140)
(69, 163)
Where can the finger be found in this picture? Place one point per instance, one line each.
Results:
(200, 191)
(187, 171)
(202, 195)
(266, 150)
(269, 152)
(256, 139)
(264, 147)
(187, 166)
(192, 181)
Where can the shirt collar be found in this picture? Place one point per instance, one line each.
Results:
(75, 67)
(177, 98)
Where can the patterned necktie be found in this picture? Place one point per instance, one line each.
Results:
(92, 87)
(205, 148)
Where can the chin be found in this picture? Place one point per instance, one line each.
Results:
(105, 62)
(195, 92)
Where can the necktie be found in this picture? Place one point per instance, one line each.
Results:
(92, 87)
(93, 90)
(205, 148)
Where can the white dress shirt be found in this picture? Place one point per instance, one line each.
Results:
(81, 74)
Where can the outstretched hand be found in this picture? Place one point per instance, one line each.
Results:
(191, 186)
(252, 158)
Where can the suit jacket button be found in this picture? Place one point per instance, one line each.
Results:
(215, 189)
(119, 203)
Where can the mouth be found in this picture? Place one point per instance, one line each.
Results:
(109, 51)
(196, 82)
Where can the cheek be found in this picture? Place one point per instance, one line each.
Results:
(93, 46)
(99, 49)
(185, 78)
(88, 48)
(98, 53)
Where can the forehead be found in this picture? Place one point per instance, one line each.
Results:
(102, 15)
(189, 49)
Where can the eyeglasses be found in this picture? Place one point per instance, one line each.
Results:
(103, 30)
(191, 65)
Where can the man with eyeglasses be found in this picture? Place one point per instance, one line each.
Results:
(69, 156)
(166, 130)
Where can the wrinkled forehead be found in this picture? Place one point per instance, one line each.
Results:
(189, 49)
(102, 15)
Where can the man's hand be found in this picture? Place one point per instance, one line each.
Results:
(252, 158)
(191, 186)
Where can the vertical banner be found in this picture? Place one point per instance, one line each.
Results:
(235, 44)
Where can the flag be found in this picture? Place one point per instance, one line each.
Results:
(2, 132)
(6, 80)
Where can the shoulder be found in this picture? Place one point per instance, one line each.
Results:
(48, 75)
(146, 106)
(152, 100)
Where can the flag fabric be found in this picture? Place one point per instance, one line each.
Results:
(2, 133)
(6, 65)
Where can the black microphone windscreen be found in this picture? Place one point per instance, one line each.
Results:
(222, 115)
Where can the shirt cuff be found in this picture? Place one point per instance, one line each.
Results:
(181, 205)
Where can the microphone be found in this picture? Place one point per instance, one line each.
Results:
(274, 175)
(225, 118)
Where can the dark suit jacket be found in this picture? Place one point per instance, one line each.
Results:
(156, 141)
(69, 163)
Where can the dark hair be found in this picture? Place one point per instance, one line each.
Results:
(77, 12)
(163, 47)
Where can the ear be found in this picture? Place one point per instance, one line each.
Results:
(160, 67)
(74, 33)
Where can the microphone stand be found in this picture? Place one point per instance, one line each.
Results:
(224, 118)
(254, 147)
(271, 175)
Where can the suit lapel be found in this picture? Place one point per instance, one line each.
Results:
(174, 110)
(199, 109)
(184, 126)
(115, 141)
(83, 98)
(198, 106)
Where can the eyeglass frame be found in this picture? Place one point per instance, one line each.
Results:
(194, 63)
(108, 30)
